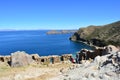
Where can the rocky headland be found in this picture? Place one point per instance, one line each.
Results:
(99, 35)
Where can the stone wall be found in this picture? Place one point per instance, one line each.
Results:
(44, 60)
(36, 58)
(20, 58)
(5, 58)
(66, 57)
(55, 59)
(85, 54)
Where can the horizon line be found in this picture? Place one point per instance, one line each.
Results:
(32, 29)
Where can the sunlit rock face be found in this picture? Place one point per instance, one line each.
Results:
(20, 59)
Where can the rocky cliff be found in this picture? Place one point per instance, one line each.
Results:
(99, 35)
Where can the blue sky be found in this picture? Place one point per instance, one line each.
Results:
(57, 14)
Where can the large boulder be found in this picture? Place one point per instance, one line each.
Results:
(20, 59)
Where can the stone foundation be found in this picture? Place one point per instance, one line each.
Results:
(5, 58)
(35, 57)
(55, 59)
(85, 54)
(66, 57)
(44, 60)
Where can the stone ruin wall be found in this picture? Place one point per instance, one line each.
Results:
(84, 54)
(51, 59)
(42, 59)
(5, 58)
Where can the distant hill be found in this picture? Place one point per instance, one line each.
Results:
(99, 35)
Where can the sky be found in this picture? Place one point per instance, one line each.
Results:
(57, 14)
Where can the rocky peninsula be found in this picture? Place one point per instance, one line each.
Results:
(99, 35)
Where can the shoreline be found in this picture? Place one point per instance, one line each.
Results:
(92, 46)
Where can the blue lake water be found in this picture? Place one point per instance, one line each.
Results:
(37, 42)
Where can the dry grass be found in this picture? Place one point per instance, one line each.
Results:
(43, 72)
(42, 77)
(6, 70)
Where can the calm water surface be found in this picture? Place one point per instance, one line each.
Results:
(37, 42)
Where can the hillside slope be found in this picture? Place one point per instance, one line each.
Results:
(99, 35)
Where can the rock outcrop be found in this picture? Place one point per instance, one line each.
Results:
(109, 62)
(99, 35)
(20, 59)
(105, 67)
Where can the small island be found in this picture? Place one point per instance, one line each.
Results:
(61, 31)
